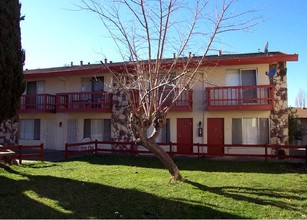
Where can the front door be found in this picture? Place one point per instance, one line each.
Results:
(50, 134)
(72, 131)
(215, 134)
(184, 135)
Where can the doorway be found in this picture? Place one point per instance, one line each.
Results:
(185, 135)
(215, 136)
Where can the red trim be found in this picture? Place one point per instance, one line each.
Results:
(239, 98)
(16, 152)
(37, 103)
(62, 72)
(100, 146)
(266, 59)
(84, 102)
(183, 103)
(224, 60)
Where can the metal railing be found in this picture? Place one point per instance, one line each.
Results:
(37, 103)
(200, 150)
(240, 98)
(84, 102)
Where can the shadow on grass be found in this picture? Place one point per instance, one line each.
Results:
(201, 164)
(261, 196)
(52, 197)
(40, 165)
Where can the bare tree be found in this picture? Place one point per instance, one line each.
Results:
(300, 100)
(145, 32)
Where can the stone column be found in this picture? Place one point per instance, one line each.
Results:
(279, 114)
(120, 130)
(9, 132)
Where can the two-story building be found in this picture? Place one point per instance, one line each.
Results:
(242, 100)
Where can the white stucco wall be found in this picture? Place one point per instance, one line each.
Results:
(216, 76)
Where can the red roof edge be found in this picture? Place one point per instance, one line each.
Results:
(223, 60)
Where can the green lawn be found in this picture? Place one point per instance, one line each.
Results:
(138, 187)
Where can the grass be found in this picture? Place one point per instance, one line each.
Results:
(138, 187)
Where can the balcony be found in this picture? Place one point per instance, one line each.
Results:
(239, 98)
(37, 103)
(84, 102)
(183, 103)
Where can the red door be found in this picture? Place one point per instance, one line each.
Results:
(215, 134)
(184, 135)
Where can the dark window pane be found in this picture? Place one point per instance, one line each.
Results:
(107, 130)
(264, 130)
(236, 131)
(37, 128)
(87, 128)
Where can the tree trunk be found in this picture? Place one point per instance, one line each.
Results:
(163, 157)
(139, 124)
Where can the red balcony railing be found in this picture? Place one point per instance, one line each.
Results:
(183, 103)
(84, 102)
(239, 98)
(37, 103)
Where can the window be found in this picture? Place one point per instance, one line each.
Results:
(164, 135)
(165, 91)
(34, 101)
(242, 77)
(165, 132)
(250, 131)
(97, 129)
(95, 84)
(35, 87)
(29, 129)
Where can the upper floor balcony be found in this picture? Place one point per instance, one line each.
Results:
(90, 102)
(84, 102)
(35, 103)
(239, 98)
(183, 103)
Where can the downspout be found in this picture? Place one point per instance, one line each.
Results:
(204, 107)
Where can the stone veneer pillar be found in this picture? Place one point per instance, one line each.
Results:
(279, 114)
(120, 117)
(9, 132)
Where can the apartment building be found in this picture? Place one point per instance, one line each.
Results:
(242, 100)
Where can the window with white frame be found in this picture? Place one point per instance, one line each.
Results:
(97, 129)
(241, 77)
(29, 129)
(250, 131)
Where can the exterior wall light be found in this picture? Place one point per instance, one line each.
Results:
(200, 130)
